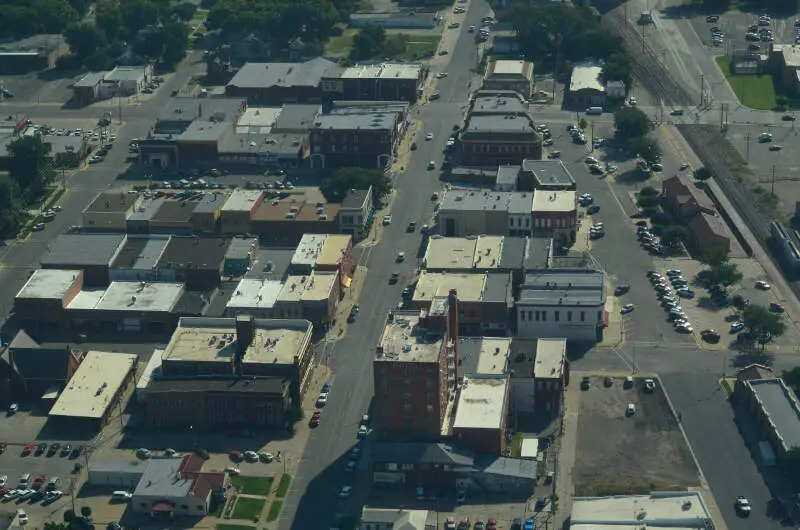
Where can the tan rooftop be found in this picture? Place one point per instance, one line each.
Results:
(295, 208)
(470, 287)
(333, 249)
(316, 286)
(403, 340)
(550, 358)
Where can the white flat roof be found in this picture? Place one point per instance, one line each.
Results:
(48, 284)
(550, 356)
(93, 386)
(481, 403)
(87, 299)
(554, 201)
(437, 284)
(669, 509)
(309, 249)
(258, 120)
(464, 252)
(255, 294)
(586, 76)
(241, 200)
(529, 448)
(150, 368)
(133, 296)
(509, 67)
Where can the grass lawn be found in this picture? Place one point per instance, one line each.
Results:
(340, 46)
(274, 511)
(515, 446)
(283, 486)
(754, 91)
(248, 508)
(253, 485)
(54, 199)
(235, 527)
(418, 46)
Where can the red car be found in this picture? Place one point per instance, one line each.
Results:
(29, 448)
(38, 482)
(236, 456)
(491, 524)
(710, 335)
(776, 308)
(315, 418)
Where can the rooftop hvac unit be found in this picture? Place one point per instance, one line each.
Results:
(323, 217)
(320, 210)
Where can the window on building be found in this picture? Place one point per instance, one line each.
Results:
(544, 316)
(430, 408)
(599, 316)
(569, 316)
(522, 315)
(407, 467)
(201, 508)
(557, 315)
(583, 316)
(530, 315)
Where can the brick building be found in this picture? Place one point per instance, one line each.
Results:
(555, 215)
(550, 374)
(481, 413)
(41, 303)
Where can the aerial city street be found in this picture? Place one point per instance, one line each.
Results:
(363, 265)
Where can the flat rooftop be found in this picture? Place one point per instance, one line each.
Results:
(333, 250)
(484, 355)
(116, 202)
(135, 297)
(781, 407)
(314, 287)
(378, 121)
(383, 71)
(550, 357)
(508, 67)
(200, 252)
(586, 76)
(482, 200)
(82, 249)
(470, 287)
(564, 286)
(549, 172)
(255, 294)
(94, 385)
(492, 104)
(174, 211)
(464, 253)
(140, 253)
(187, 109)
(481, 403)
(404, 340)
(682, 510)
(309, 249)
(242, 200)
(206, 339)
(501, 123)
(48, 284)
(555, 201)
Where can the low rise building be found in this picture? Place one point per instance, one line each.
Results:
(137, 259)
(90, 253)
(127, 80)
(474, 212)
(586, 87)
(494, 254)
(95, 392)
(325, 252)
(516, 75)
(551, 175)
(89, 88)
(278, 83)
(109, 211)
(555, 215)
(482, 356)
(708, 231)
(785, 58)
(680, 509)
(35, 368)
(422, 345)
(696, 209)
(41, 303)
(481, 413)
(206, 214)
(67, 151)
(393, 519)
(242, 254)
(257, 297)
(195, 261)
(243, 347)
(238, 210)
(358, 134)
(356, 213)
(484, 299)
(175, 487)
(37, 52)
(313, 297)
(567, 303)
(775, 409)
(377, 82)
(550, 374)
(287, 220)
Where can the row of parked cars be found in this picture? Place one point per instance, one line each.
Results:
(667, 289)
(52, 450)
(40, 489)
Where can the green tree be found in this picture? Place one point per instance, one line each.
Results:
(108, 19)
(724, 274)
(84, 39)
(185, 11)
(10, 207)
(617, 67)
(648, 191)
(368, 42)
(662, 219)
(647, 201)
(645, 148)
(673, 235)
(69, 516)
(714, 256)
(632, 122)
(30, 166)
(137, 15)
(56, 526)
(99, 60)
(792, 378)
(343, 180)
(702, 173)
(86, 511)
(762, 324)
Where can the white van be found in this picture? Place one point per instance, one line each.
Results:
(594, 110)
(120, 495)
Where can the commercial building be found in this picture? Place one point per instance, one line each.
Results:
(35, 368)
(195, 261)
(393, 519)
(708, 231)
(551, 175)
(325, 252)
(95, 391)
(679, 509)
(785, 58)
(482, 356)
(484, 299)
(775, 409)
(499, 131)
(555, 214)
(516, 75)
(568, 303)
(243, 347)
(173, 487)
(206, 213)
(475, 212)
(422, 345)
(90, 253)
(256, 297)
(481, 413)
(494, 254)
(109, 211)
(550, 374)
(313, 297)
(356, 213)
(277, 83)
(376, 82)
(586, 86)
(287, 220)
(41, 303)
(242, 254)
(238, 210)
(696, 209)
(137, 259)
(67, 151)
(89, 88)
(127, 80)
(358, 134)
(38, 52)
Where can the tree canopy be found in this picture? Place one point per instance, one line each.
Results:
(631, 122)
(762, 324)
(22, 18)
(723, 274)
(702, 173)
(30, 166)
(368, 41)
(336, 187)
(714, 256)
(645, 148)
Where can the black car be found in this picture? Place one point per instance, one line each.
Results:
(53, 449)
(41, 449)
(76, 451)
(66, 450)
(593, 209)
(789, 117)
(202, 453)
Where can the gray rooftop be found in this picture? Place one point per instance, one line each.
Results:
(516, 202)
(90, 80)
(490, 104)
(507, 176)
(780, 405)
(549, 172)
(190, 109)
(296, 118)
(512, 255)
(421, 452)
(537, 253)
(271, 263)
(265, 75)
(497, 288)
(125, 73)
(500, 123)
(564, 287)
(507, 467)
(211, 202)
(278, 145)
(471, 171)
(163, 478)
(82, 249)
(63, 144)
(201, 130)
(355, 199)
(34, 43)
(368, 107)
(384, 121)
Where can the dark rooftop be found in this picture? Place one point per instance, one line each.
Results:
(355, 199)
(82, 249)
(512, 255)
(497, 288)
(209, 109)
(537, 253)
(112, 202)
(172, 211)
(270, 385)
(421, 452)
(186, 252)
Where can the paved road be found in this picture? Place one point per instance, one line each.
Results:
(313, 502)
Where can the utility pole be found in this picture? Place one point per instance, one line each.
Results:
(592, 150)
(773, 179)
(747, 147)
(702, 89)
(119, 107)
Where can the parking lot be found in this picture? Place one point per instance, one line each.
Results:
(735, 25)
(618, 452)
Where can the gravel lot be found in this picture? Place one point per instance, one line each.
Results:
(618, 454)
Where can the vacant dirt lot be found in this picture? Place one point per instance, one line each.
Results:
(617, 454)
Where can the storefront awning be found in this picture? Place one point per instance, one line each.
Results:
(162, 506)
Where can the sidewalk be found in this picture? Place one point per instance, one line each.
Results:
(564, 479)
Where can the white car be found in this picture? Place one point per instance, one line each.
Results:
(351, 466)
(387, 219)
(743, 505)
(627, 308)
(401, 256)
(234, 471)
(736, 327)
(441, 75)
(22, 517)
(362, 431)
(251, 456)
(764, 286)
(432, 164)
(322, 400)
(591, 160)
(451, 142)
(345, 492)
(632, 101)
(649, 385)
(630, 410)
(429, 136)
